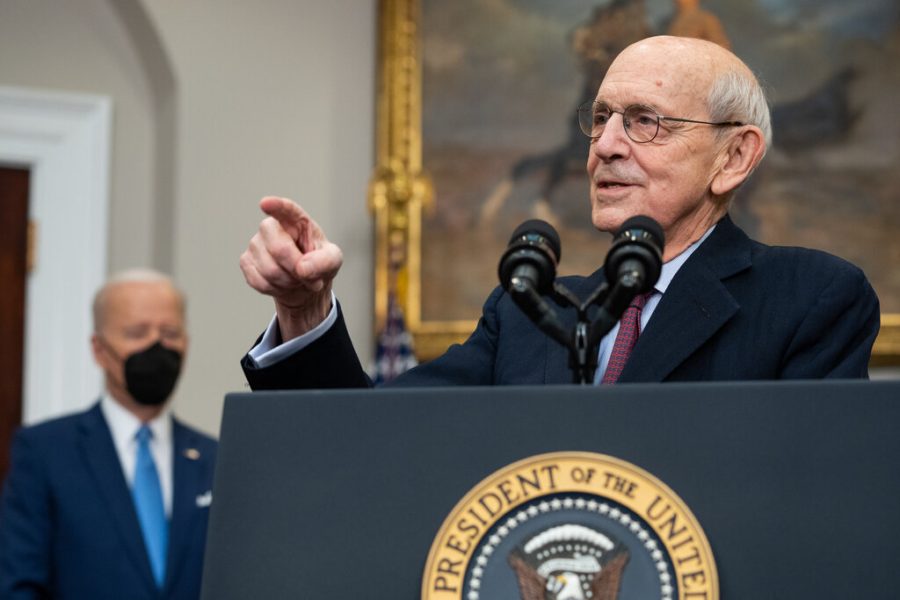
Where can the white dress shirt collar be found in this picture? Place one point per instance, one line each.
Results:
(123, 426)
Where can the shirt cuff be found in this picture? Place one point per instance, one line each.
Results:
(268, 351)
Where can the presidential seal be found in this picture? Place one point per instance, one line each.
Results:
(570, 526)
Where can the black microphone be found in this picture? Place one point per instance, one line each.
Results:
(527, 271)
(635, 258)
(531, 257)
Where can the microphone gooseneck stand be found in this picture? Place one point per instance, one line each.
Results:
(583, 342)
(528, 271)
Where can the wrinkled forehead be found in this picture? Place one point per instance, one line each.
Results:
(673, 76)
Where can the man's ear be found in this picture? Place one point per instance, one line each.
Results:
(95, 345)
(101, 353)
(741, 154)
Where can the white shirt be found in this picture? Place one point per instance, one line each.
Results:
(267, 353)
(124, 427)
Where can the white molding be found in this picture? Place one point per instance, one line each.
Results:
(65, 140)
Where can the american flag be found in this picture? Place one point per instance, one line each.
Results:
(394, 350)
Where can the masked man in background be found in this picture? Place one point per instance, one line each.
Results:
(113, 502)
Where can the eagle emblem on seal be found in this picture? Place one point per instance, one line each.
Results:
(569, 562)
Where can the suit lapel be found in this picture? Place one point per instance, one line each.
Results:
(100, 455)
(187, 480)
(686, 317)
(695, 306)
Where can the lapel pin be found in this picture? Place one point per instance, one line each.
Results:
(192, 454)
(204, 500)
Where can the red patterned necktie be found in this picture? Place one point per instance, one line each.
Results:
(629, 330)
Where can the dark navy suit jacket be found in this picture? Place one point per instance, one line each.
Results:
(736, 310)
(68, 528)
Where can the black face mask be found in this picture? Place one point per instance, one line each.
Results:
(150, 374)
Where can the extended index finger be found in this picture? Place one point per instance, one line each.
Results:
(283, 210)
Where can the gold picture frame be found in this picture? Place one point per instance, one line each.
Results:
(401, 190)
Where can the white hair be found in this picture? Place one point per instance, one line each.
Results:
(735, 96)
(140, 275)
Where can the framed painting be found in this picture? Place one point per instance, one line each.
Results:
(477, 132)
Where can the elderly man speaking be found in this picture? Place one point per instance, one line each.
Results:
(676, 127)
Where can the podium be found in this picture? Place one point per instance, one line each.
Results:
(340, 494)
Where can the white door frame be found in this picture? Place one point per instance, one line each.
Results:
(64, 139)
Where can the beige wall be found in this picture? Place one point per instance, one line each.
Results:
(81, 47)
(217, 103)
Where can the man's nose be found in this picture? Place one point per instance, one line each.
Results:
(614, 141)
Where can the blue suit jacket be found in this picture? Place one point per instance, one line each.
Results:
(68, 528)
(736, 310)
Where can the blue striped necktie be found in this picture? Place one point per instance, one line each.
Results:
(148, 502)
